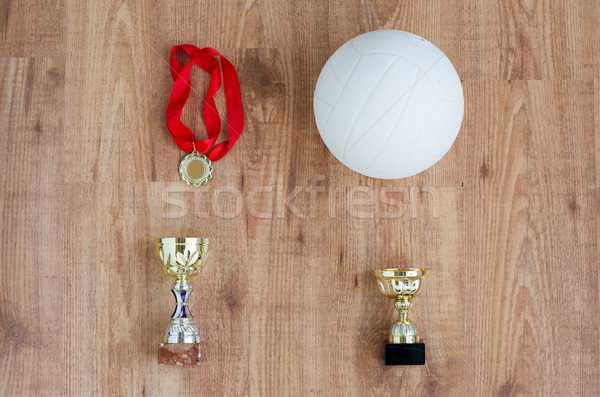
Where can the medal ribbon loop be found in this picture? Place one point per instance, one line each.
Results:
(206, 58)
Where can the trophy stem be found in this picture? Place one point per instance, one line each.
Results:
(182, 328)
(403, 305)
(181, 290)
(403, 330)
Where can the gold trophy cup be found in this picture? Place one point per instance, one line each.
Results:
(405, 346)
(182, 258)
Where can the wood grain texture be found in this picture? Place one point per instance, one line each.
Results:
(522, 39)
(597, 115)
(102, 329)
(32, 275)
(507, 221)
(530, 195)
(264, 24)
(103, 75)
(32, 28)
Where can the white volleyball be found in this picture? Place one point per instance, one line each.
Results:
(388, 104)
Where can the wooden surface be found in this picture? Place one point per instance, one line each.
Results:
(287, 304)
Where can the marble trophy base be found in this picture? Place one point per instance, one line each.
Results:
(405, 354)
(179, 354)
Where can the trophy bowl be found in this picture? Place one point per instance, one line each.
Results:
(404, 347)
(181, 257)
(400, 282)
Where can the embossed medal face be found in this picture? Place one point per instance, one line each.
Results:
(196, 169)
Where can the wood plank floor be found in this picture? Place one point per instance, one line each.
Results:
(287, 304)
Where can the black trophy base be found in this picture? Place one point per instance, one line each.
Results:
(405, 354)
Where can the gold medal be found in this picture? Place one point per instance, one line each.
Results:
(196, 169)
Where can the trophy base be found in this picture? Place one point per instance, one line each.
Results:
(179, 354)
(405, 354)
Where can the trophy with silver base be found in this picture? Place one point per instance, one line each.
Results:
(182, 258)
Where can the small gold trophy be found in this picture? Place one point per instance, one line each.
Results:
(181, 257)
(405, 346)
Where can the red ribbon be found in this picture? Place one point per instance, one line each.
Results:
(206, 58)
